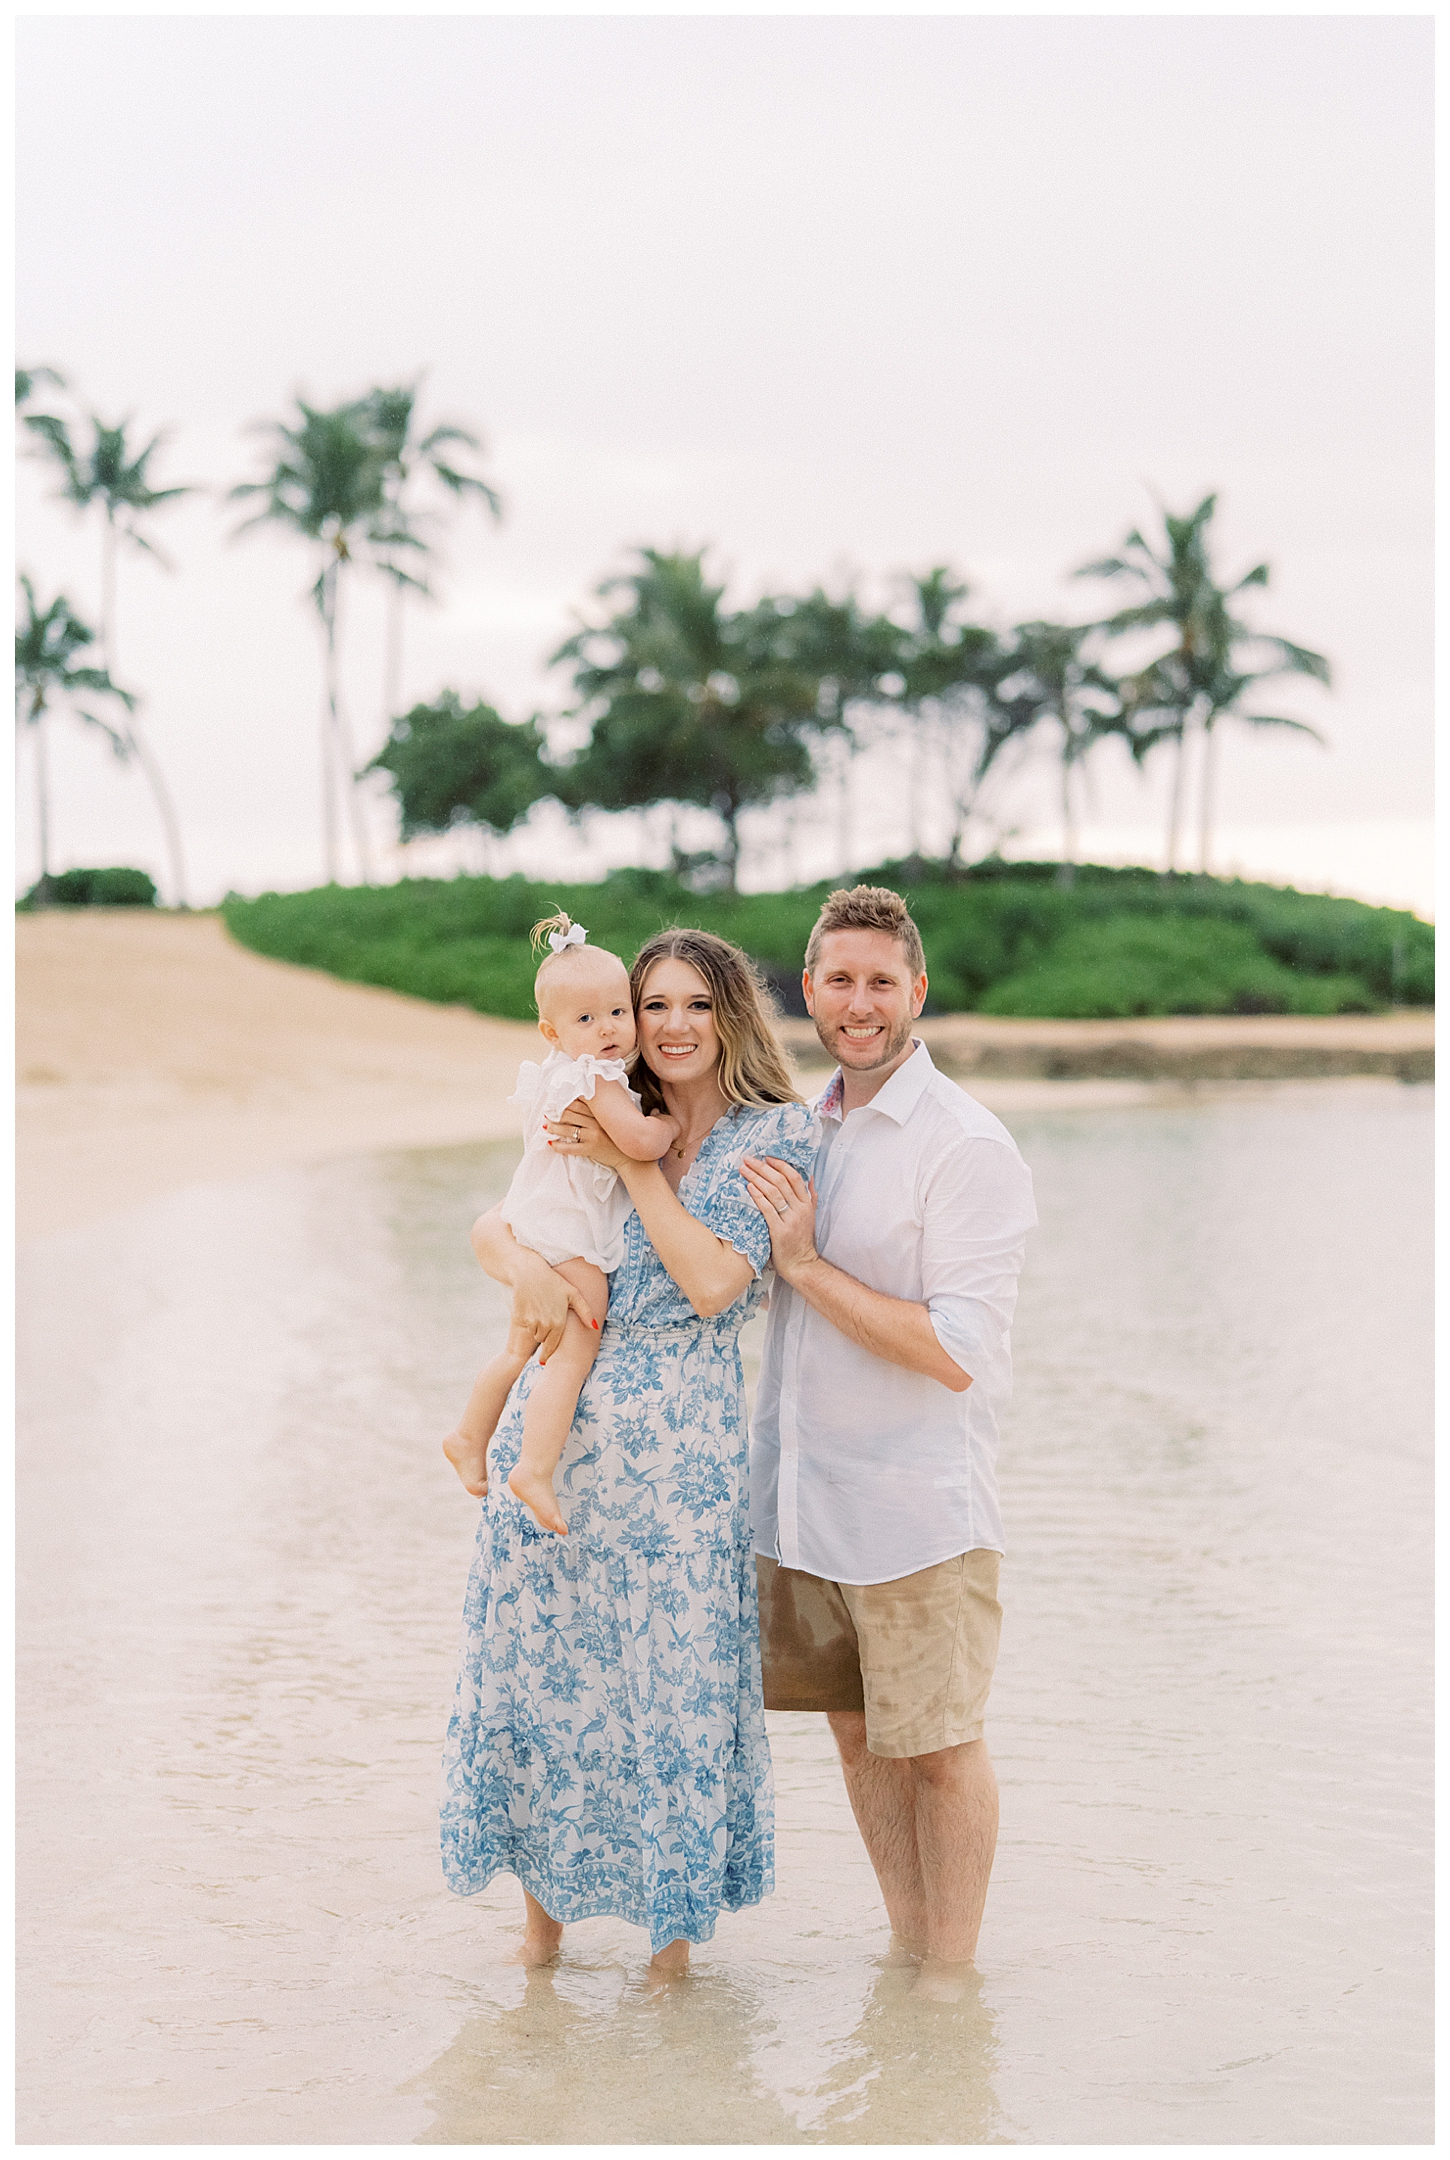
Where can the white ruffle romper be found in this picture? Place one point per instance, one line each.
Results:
(563, 1209)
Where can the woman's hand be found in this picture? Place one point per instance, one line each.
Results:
(541, 1298)
(578, 1132)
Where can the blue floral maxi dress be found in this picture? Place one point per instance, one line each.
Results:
(607, 1741)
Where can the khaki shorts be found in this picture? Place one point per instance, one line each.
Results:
(917, 1654)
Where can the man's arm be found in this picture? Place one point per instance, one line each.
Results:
(896, 1329)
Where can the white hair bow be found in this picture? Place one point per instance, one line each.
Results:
(574, 935)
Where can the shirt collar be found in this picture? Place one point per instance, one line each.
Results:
(900, 1096)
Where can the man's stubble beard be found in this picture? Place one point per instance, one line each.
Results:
(895, 1045)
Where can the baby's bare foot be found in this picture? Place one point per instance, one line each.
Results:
(537, 1495)
(469, 1458)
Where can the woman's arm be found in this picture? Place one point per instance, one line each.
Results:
(542, 1297)
(641, 1138)
(711, 1273)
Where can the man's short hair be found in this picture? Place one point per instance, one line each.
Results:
(868, 907)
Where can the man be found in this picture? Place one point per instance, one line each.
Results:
(887, 1359)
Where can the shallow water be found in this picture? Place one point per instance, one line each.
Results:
(242, 1564)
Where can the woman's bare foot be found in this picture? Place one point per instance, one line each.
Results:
(542, 1936)
(671, 1963)
(469, 1457)
(537, 1495)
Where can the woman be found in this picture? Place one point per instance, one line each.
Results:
(607, 1743)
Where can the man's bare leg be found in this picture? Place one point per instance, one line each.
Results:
(929, 1824)
(542, 1936)
(956, 1839)
(882, 1797)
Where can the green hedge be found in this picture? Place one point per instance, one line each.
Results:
(91, 888)
(1005, 938)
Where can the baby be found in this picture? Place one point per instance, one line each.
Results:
(569, 1210)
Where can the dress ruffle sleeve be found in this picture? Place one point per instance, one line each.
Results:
(575, 1079)
(792, 1134)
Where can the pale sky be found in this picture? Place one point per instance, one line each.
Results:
(831, 294)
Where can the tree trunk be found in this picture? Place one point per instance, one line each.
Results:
(1175, 799)
(843, 805)
(1207, 789)
(329, 729)
(730, 817)
(918, 753)
(393, 658)
(145, 758)
(135, 742)
(42, 794)
(346, 753)
(108, 594)
(1067, 874)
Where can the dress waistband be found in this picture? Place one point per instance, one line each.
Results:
(725, 1321)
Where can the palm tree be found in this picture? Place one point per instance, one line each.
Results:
(1054, 681)
(108, 475)
(949, 669)
(1198, 681)
(853, 658)
(29, 379)
(47, 674)
(392, 416)
(327, 487)
(691, 703)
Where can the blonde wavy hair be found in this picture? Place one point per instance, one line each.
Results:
(752, 1066)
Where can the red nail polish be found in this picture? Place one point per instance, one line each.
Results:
(595, 1325)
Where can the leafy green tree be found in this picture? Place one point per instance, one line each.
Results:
(409, 458)
(690, 703)
(1200, 679)
(450, 766)
(50, 676)
(328, 488)
(109, 475)
(1056, 683)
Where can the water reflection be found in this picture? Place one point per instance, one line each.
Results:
(242, 1562)
(709, 2060)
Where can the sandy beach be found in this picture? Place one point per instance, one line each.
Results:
(154, 1054)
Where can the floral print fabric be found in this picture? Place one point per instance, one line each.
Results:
(607, 1741)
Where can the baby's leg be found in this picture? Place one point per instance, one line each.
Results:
(467, 1445)
(555, 1397)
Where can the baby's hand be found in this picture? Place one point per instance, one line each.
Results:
(671, 1124)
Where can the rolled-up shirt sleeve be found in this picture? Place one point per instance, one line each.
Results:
(976, 1210)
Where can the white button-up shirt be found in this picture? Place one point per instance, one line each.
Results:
(860, 1470)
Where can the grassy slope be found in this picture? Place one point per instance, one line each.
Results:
(1004, 939)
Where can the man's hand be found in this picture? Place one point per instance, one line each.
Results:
(788, 1204)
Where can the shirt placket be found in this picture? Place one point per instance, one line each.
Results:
(788, 1485)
